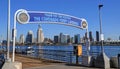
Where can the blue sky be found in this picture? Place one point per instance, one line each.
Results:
(87, 9)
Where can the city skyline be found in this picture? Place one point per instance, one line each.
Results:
(110, 16)
(61, 37)
(58, 39)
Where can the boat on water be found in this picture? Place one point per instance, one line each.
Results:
(28, 50)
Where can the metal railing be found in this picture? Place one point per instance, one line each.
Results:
(52, 55)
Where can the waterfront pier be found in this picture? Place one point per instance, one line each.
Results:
(35, 63)
(68, 42)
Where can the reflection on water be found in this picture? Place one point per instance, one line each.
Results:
(61, 53)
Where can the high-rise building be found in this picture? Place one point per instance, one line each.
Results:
(72, 40)
(60, 37)
(82, 40)
(56, 39)
(1, 39)
(97, 36)
(85, 36)
(13, 35)
(40, 36)
(30, 37)
(90, 36)
(77, 39)
(68, 39)
(64, 38)
(22, 39)
(119, 37)
(4, 42)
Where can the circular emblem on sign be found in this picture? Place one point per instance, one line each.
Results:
(84, 24)
(23, 17)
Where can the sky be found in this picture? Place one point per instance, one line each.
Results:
(87, 9)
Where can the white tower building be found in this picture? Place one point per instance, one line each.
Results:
(40, 36)
(22, 39)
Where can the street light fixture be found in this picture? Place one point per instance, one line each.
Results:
(101, 35)
(104, 59)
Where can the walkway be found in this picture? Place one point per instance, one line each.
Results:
(61, 66)
(30, 63)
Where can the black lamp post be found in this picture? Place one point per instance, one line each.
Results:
(101, 35)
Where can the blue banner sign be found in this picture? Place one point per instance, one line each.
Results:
(55, 18)
(24, 17)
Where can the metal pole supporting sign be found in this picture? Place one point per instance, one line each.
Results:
(23, 18)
